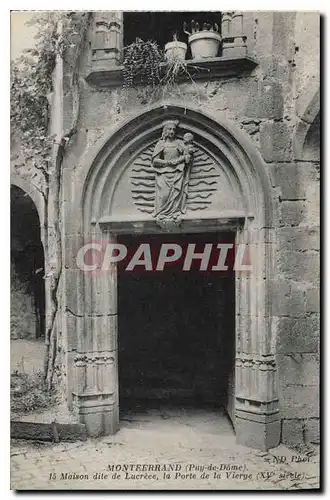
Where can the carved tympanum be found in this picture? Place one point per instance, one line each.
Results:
(172, 176)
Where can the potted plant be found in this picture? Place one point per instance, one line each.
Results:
(175, 50)
(203, 43)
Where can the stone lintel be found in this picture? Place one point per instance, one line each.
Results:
(136, 226)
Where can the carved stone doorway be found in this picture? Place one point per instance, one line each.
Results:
(176, 330)
(113, 194)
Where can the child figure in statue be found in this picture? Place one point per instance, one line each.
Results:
(172, 159)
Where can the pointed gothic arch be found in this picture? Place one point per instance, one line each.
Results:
(91, 321)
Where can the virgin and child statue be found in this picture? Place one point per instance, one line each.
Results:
(172, 160)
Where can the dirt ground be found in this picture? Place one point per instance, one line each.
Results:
(26, 356)
(163, 449)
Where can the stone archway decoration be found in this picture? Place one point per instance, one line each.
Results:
(35, 196)
(239, 195)
(166, 191)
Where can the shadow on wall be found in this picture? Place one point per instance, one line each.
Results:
(311, 147)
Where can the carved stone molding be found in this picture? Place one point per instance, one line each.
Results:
(233, 37)
(263, 362)
(189, 185)
(232, 63)
(95, 373)
(102, 184)
(107, 40)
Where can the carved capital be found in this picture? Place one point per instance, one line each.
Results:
(256, 381)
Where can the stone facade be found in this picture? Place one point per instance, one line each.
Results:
(256, 113)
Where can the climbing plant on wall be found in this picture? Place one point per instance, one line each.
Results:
(32, 83)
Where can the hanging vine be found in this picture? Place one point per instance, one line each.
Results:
(146, 69)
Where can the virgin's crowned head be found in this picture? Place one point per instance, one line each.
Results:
(169, 129)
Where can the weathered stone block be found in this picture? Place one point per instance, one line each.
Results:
(72, 325)
(276, 141)
(287, 299)
(313, 300)
(72, 157)
(97, 108)
(299, 368)
(298, 239)
(298, 335)
(312, 431)
(294, 179)
(236, 98)
(73, 291)
(292, 432)
(300, 266)
(313, 204)
(106, 328)
(251, 126)
(270, 99)
(300, 402)
(265, 100)
(257, 431)
(292, 213)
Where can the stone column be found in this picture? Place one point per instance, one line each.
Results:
(257, 415)
(107, 42)
(233, 38)
(96, 367)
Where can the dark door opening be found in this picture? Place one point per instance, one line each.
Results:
(27, 268)
(176, 331)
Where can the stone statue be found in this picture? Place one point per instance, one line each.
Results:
(172, 159)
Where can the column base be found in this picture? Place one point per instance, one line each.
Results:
(259, 431)
(100, 414)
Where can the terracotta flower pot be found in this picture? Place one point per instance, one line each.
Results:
(175, 50)
(204, 44)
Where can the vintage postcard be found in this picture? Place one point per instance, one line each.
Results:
(165, 171)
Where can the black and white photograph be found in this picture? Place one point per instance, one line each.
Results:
(165, 250)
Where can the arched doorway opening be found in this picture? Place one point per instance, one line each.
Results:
(27, 268)
(242, 203)
(176, 337)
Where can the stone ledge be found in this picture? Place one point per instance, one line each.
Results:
(53, 431)
(199, 69)
(187, 224)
